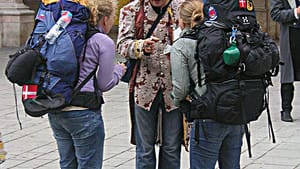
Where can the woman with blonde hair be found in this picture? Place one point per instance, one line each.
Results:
(210, 141)
(182, 51)
(79, 130)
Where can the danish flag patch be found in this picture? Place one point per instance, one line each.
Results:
(29, 91)
(243, 3)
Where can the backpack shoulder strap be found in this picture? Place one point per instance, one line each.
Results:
(91, 30)
(190, 34)
(76, 90)
(160, 15)
(194, 32)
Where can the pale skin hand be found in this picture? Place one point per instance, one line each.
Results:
(124, 68)
(149, 44)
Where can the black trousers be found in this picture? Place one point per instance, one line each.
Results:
(287, 96)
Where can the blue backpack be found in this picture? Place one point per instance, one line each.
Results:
(48, 69)
(59, 74)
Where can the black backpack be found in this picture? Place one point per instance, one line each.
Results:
(238, 61)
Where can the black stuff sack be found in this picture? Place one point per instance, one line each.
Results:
(21, 66)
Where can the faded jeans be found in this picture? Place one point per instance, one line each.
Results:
(80, 138)
(145, 135)
(216, 142)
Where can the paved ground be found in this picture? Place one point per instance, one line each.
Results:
(33, 147)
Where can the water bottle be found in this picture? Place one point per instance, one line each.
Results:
(59, 26)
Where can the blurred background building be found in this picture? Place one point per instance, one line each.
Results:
(17, 20)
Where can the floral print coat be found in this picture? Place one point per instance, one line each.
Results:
(155, 70)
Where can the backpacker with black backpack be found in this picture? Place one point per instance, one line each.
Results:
(238, 60)
(54, 65)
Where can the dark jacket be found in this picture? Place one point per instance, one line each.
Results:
(282, 11)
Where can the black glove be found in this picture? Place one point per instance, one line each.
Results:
(185, 107)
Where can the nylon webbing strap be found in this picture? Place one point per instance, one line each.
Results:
(160, 15)
(247, 132)
(76, 90)
(270, 125)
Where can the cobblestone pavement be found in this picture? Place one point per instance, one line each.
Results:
(34, 147)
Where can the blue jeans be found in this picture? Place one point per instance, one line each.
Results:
(80, 138)
(216, 142)
(145, 135)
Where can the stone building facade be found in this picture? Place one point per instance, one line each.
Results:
(17, 20)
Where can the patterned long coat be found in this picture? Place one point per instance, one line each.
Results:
(154, 71)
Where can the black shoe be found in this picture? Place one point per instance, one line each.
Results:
(286, 116)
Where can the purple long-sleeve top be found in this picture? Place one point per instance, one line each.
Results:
(100, 51)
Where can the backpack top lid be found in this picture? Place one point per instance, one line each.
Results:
(79, 10)
(227, 20)
(231, 13)
(81, 2)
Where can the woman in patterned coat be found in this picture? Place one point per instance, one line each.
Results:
(155, 119)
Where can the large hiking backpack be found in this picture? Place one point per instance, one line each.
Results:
(51, 70)
(238, 61)
(59, 74)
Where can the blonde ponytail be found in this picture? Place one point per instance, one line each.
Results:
(191, 12)
(99, 9)
(197, 16)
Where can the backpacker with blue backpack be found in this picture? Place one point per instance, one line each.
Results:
(54, 63)
(238, 61)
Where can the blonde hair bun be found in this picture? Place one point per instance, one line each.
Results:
(191, 12)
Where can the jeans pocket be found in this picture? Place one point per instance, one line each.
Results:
(82, 123)
(211, 129)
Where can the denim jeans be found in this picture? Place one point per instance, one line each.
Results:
(80, 138)
(145, 135)
(216, 142)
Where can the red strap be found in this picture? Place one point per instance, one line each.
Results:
(139, 22)
(139, 34)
